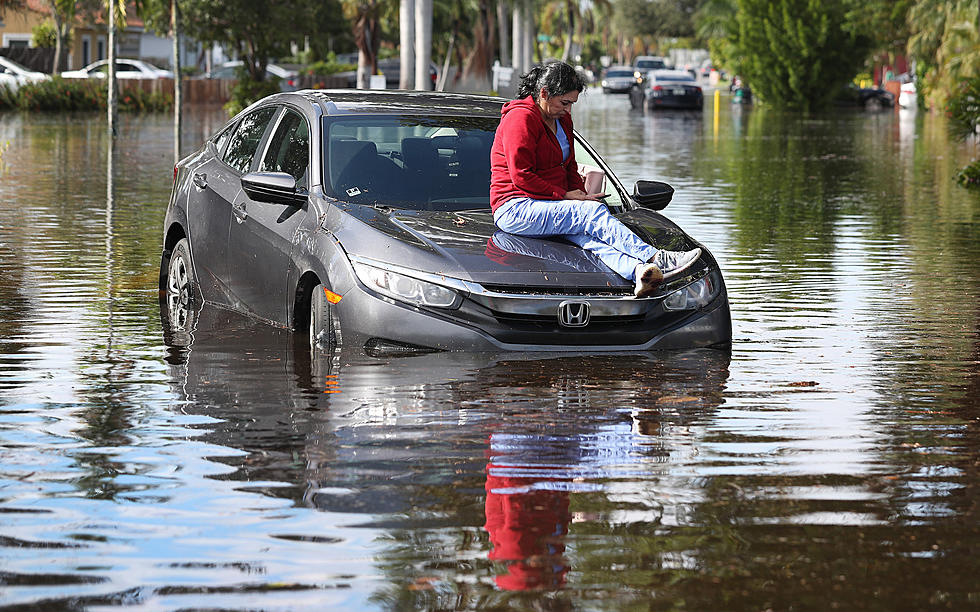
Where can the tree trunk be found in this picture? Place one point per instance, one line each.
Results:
(366, 39)
(406, 37)
(58, 38)
(477, 66)
(112, 103)
(569, 40)
(175, 26)
(423, 44)
(529, 35)
(518, 46)
(502, 33)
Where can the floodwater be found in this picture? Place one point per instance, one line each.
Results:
(830, 459)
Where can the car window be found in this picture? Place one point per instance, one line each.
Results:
(246, 140)
(289, 150)
(411, 162)
(222, 137)
(619, 73)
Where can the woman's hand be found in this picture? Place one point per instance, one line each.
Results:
(578, 194)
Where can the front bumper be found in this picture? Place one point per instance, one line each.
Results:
(490, 320)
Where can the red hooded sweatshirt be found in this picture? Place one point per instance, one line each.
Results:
(525, 161)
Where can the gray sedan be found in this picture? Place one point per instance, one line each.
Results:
(363, 218)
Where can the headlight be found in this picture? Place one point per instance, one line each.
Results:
(696, 295)
(405, 288)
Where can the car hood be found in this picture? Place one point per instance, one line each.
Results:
(468, 246)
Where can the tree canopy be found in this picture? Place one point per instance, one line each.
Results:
(797, 54)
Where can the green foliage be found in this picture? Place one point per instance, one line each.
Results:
(797, 54)
(247, 90)
(329, 66)
(8, 98)
(60, 95)
(946, 46)
(257, 31)
(970, 176)
(45, 35)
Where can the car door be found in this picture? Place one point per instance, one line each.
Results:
(261, 236)
(216, 185)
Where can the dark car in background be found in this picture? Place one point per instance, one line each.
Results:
(871, 98)
(667, 89)
(363, 218)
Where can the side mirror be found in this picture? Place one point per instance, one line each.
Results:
(652, 194)
(275, 187)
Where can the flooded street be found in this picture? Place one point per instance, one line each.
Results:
(830, 459)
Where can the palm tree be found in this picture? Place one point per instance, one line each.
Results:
(365, 17)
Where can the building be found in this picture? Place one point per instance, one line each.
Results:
(90, 37)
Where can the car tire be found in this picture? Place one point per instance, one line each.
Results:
(324, 325)
(180, 295)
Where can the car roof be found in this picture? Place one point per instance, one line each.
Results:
(386, 102)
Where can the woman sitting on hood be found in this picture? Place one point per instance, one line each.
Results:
(535, 188)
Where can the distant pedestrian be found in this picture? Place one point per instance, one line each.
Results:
(536, 190)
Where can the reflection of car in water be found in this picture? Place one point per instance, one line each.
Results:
(401, 441)
(362, 218)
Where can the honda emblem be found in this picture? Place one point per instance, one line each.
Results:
(573, 314)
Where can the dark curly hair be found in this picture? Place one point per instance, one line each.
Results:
(557, 79)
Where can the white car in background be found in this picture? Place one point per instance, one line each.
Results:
(13, 75)
(125, 69)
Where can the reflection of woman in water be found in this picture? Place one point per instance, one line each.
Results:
(527, 525)
(535, 188)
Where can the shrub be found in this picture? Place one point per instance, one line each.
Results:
(329, 66)
(8, 98)
(59, 95)
(247, 91)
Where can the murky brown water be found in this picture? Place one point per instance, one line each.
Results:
(830, 460)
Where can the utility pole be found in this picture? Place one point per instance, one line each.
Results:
(175, 26)
(112, 103)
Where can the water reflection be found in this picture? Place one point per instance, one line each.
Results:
(208, 461)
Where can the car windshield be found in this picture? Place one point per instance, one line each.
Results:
(648, 64)
(619, 73)
(409, 162)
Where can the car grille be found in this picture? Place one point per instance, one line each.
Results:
(553, 290)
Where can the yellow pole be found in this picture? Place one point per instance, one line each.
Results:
(717, 111)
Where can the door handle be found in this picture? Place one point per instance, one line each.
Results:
(201, 180)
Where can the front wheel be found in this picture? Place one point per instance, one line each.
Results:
(324, 322)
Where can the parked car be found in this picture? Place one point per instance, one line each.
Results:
(667, 89)
(618, 79)
(125, 69)
(288, 77)
(13, 75)
(363, 218)
(871, 98)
